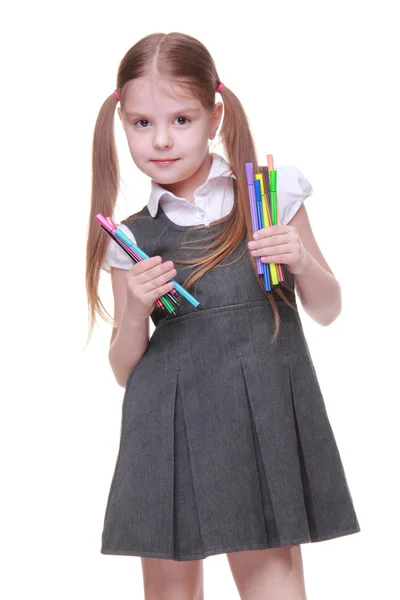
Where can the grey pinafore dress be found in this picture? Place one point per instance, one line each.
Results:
(225, 441)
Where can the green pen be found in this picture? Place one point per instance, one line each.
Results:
(274, 201)
(275, 217)
(167, 304)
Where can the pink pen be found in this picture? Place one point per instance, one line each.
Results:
(103, 221)
(111, 227)
(109, 224)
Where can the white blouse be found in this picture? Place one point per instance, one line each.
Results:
(212, 201)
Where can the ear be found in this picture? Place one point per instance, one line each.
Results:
(216, 117)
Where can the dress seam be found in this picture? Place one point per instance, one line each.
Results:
(217, 309)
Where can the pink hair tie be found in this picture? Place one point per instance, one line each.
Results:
(115, 92)
(220, 86)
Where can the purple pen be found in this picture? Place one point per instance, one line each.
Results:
(253, 208)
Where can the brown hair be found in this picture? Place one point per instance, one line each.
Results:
(185, 59)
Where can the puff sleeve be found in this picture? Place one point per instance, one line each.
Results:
(293, 188)
(115, 256)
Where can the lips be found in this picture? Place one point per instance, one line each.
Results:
(164, 162)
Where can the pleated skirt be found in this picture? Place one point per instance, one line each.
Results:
(225, 444)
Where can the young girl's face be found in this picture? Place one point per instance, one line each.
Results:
(167, 129)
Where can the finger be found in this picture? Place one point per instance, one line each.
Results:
(153, 270)
(268, 250)
(270, 231)
(144, 265)
(160, 291)
(272, 240)
(159, 281)
(277, 258)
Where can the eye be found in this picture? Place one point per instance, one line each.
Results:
(142, 124)
(182, 120)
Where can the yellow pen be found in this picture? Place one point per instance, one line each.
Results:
(272, 266)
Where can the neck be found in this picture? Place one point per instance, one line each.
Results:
(186, 188)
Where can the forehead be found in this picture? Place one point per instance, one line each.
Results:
(149, 93)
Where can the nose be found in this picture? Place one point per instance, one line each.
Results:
(162, 139)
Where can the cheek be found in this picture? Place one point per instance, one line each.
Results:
(137, 154)
(196, 142)
(136, 148)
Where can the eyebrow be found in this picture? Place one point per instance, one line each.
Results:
(188, 109)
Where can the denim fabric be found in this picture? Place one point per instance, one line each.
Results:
(225, 443)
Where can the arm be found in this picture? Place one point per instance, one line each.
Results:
(318, 289)
(129, 341)
(135, 291)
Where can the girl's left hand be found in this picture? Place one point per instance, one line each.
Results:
(280, 244)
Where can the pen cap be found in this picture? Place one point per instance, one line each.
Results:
(249, 173)
(270, 162)
(272, 180)
(111, 223)
(260, 177)
(257, 188)
(103, 221)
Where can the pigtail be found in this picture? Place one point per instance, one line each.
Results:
(239, 146)
(105, 184)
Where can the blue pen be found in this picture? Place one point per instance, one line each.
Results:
(143, 255)
(260, 218)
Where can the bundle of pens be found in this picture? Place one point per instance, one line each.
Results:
(170, 300)
(264, 209)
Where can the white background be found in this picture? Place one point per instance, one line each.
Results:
(328, 104)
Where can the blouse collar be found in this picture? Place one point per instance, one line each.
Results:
(219, 168)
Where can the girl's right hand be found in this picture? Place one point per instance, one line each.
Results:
(146, 281)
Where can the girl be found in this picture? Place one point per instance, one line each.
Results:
(226, 445)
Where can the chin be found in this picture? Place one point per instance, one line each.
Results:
(167, 176)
